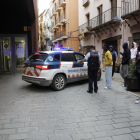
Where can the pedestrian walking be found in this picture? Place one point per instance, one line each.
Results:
(94, 62)
(133, 52)
(108, 66)
(124, 69)
(114, 57)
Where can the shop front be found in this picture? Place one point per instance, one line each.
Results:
(13, 53)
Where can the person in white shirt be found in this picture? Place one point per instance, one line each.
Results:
(133, 52)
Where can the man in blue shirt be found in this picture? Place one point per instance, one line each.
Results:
(114, 57)
(94, 62)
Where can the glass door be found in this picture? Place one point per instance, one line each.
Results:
(5, 55)
(20, 51)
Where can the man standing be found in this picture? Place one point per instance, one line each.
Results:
(94, 62)
(114, 57)
(124, 69)
(133, 52)
(108, 66)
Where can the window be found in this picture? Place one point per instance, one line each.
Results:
(57, 57)
(67, 57)
(40, 57)
(79, 56)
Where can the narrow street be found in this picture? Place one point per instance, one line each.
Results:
(31, 112)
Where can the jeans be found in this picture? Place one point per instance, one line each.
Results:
(92, 74)
(108, 75)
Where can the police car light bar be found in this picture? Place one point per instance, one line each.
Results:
(63, 49)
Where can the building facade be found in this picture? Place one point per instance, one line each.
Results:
(65, 19)
(18, 34)
(108, 22)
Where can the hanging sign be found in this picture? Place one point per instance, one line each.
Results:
(20, 45)
(6, 52)
(20, 52)
(25, 28)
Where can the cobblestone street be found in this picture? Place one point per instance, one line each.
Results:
(30, 112)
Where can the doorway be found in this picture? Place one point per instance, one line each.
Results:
(13, 53)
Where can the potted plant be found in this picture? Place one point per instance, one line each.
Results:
(132, 81)
(88, 27)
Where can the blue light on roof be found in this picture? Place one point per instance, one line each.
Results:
(63, 49)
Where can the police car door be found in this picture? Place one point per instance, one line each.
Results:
(67, 60)
(82, 67)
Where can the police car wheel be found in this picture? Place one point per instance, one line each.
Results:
(59, 82)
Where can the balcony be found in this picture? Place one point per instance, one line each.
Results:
(85, 3)
(62, 3)
(63, 34)
(62, 18)
(57, 8)
(107, 18)
(86, 31)
(58, 37)
(130, 8)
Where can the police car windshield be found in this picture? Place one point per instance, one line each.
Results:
(38, 57)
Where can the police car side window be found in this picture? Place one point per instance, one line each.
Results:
(67, 57)
(79, 56)
(57, 57)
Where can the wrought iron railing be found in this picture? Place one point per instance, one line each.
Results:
(62, 16)
(57, 35)
(56, 6)
(60, 1)
(85, 1)
(63, 33)
(107, 16)
(83, 27)
(56, 21)
(129, 6)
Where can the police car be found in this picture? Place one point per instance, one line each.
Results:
(55, 68)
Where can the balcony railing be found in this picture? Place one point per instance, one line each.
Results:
(62, 16)
(56, 21)
(56, 6)
(57, 35)
(63, 33)
(52, 10)
(83, 27)
(107, 16)
(130, 6)
(62, 3)
(85, 3)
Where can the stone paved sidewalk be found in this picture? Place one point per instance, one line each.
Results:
(70, 114)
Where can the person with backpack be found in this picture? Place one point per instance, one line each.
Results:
(126, 56)
(114, 57)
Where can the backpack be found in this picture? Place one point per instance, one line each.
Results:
(113, 57)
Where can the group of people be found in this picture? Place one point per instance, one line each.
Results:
(94, 62)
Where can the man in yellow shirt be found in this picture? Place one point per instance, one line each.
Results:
(108, 66)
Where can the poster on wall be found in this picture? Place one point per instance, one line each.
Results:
(6, 52)
(20, 52)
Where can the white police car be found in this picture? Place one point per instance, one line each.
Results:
(55, 68)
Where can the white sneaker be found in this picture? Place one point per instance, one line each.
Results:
(123, 85)
(137, 102)
(106, 87)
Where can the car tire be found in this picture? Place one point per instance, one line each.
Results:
(59, 82)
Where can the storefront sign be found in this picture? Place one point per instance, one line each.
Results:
(25, 28)
(29, 28)
(6, 52)
(20, 52)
